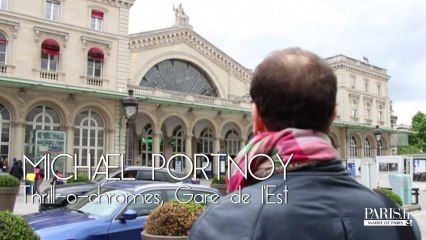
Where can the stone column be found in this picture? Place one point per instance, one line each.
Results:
(188, 153)
(215, 160)
(156, 147)
(17, 135)
(69, 129)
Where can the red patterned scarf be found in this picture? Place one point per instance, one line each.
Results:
(302, 147)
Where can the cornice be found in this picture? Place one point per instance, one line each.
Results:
(116, 3)
(358, 67)
(171, 36)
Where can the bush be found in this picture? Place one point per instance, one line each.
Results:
(221, 180)
(393, 196)
(15, 227)
(9, 181)
(80, 178)
(173, 218)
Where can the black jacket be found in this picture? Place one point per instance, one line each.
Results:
(323, 202)
(17, 171)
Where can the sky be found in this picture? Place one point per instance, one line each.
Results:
(390, 33)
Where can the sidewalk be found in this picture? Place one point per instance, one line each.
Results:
(27, 206)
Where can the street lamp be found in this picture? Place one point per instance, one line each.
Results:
(378, 134)
(130, 108)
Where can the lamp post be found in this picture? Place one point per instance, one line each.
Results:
(130, 108)
(378, 134)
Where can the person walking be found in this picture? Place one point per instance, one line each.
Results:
(17, 170)
(39, 175)
(299, 188)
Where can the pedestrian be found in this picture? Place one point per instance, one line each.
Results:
(57, 180)
(294, 100)
(39, 175)
(3, 165)
(17, 170)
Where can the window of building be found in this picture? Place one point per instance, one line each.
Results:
(89, 135)
(367, 111)
(4, 132)
(366, 85)
(41, 117)
(379, 148)
(4, 4)
(52, 10)
(178, 140)
(50, 52)
(353, 81)
(379, 89)
(95, 58)
(3, 48)
(97, 19)
(146, 145)
(353, 147)
(232, 142)
(354, 108)
(367, 148)
(381, 113)
(206, 141)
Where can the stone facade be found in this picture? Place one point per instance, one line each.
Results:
(68, 64)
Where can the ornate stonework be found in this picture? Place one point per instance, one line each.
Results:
(171, 36)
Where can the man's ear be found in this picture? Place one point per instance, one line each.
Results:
(258, 124)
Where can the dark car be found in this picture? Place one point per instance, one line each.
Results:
(96, 218)
(65, 193)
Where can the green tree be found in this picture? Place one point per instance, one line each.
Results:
(418, 124)
(408, 150)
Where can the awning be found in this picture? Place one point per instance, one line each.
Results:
(97, 14)
(51, 47)
(96, 54)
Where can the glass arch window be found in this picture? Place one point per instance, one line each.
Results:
(353, 147)
(232, 142)
(146, 145)
(178, 140)
(3, 48)
(379, 148)
(178, 75)
(41, 117)
(4, 132)
(367, 148)
(205, 144)
(89, 137)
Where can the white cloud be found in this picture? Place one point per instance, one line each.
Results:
(390, 33)
(405, 110)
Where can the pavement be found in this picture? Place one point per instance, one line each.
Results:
(26, 206)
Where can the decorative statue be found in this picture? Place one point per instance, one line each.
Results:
(181, 17)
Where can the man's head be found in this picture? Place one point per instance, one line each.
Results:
(293, 88)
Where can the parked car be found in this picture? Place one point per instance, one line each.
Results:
(95, 218)
(142, 175)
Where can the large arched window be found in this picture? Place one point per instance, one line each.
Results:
(3, 48)
(50, 52)
(178, 140)
(95, 58)
(89, 137)
(41, 117)
(178, 75)
(353, 147)
(4, 132)
(205, 145)
(232, 142)
(146, 145)
(379, 148)
(367, 148)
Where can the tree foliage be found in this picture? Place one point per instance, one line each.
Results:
(418, 124)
